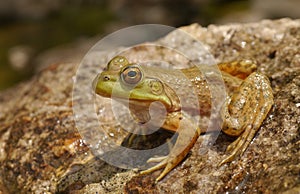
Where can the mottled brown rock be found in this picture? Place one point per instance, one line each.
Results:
(41, 150)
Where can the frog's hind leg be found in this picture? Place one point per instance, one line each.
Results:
(244, 112)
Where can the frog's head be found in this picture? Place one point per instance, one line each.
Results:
(125, 80)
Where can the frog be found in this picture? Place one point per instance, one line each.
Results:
(248, 101)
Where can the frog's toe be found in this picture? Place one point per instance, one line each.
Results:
(239, 146)
(158, 166)
(239, 142)
(231, 146)
(131, 138)
(157, 159)
(234, 152)
(165, 163)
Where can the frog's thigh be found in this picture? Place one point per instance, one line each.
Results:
(244, 112)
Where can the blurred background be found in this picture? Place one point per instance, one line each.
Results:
(36, 33)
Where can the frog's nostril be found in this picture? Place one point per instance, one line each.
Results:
(106, 78)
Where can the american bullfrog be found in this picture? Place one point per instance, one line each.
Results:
(249, 99)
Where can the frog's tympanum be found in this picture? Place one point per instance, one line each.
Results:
(249, 99)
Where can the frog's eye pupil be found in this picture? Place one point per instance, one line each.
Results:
(132, 73)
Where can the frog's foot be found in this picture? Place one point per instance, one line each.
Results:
(188, 134)
(239, 146)
(244, 112)
(167, 162)
(163, 161)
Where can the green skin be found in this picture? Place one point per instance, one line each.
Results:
(249, 99)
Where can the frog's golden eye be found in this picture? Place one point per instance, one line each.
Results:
(131, 75)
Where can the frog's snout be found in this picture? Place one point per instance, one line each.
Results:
(102, 84)
(103, 77)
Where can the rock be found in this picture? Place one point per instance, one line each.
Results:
(42, 151)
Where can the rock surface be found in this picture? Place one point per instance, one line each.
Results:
(42, 151)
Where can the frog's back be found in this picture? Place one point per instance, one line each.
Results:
(191, 84)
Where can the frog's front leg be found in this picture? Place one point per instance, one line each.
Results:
(188, 133)
(244, 112)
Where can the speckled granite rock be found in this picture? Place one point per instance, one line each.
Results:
(41, 150)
